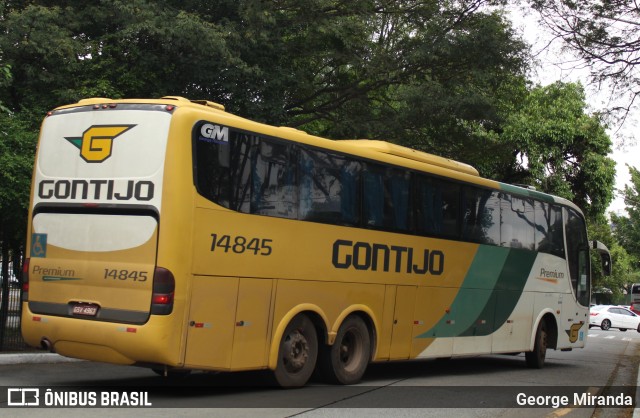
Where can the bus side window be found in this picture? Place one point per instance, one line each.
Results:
(386, 197)
(273, 180)
(242, 147)
(373, 196)
(578, 255)
(517, 222)
(437, 205)
(481, 216)
(212, 166)
(329, 189)
(549, 236)
(398, 185)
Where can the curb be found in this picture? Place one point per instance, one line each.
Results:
(636, 411)
(33, 358)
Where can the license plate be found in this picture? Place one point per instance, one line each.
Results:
(86, 309)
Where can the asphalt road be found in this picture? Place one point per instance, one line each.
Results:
(488, 386)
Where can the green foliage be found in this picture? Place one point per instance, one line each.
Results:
(446, 77)
(627, 228)
(17, 146)
(624, 271)
(560, 148)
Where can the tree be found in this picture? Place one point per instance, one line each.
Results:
(334, 68)
(560, 148)
(17, 145)
(605, 34)
(627, 228)
(624, 271)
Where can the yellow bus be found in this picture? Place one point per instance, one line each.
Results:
(171, 234)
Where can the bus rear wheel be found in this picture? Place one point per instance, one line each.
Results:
(535, 359)
(347, 359)
(297, 353)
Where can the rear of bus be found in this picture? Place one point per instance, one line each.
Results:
(94, 285)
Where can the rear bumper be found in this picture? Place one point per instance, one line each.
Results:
(156, 341)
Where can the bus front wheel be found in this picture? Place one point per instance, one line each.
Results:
(346, 360)
(535, 358)
(297, 353)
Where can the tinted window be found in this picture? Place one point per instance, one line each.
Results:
(223, 165)
(437, 207)
(273, 180)
(247, 173)
(549, 237)
(481, 216)
(517, 221)
(386, 197)
(578, 255)
(328, 188)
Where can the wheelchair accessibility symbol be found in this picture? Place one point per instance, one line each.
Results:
(39, 245)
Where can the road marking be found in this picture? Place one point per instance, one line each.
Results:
(610, 337)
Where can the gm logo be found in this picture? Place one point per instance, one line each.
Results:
(96, 143)
(216, 133)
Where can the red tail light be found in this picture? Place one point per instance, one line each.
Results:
(161, 299)
(164, 285)
(594, 313)
(25, 280)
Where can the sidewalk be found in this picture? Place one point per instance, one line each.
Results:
(33, 358)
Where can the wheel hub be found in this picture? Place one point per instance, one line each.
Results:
(296, 352)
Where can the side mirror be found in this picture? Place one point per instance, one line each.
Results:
(605, 256)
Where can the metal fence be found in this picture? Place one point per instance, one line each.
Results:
(10, 312)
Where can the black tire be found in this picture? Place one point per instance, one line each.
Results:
(623, 329)
(606, 324)
(297, 353)
(535, 358)
(347, 359)
(638, 328)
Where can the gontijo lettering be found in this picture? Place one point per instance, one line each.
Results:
(78, 189)
(382, 257)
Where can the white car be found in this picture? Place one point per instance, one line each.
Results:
(611, 316)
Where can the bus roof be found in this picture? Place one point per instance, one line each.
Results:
(400, 151)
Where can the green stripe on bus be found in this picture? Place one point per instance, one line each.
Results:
(474, 294)
(506, 293)
(488, 295)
